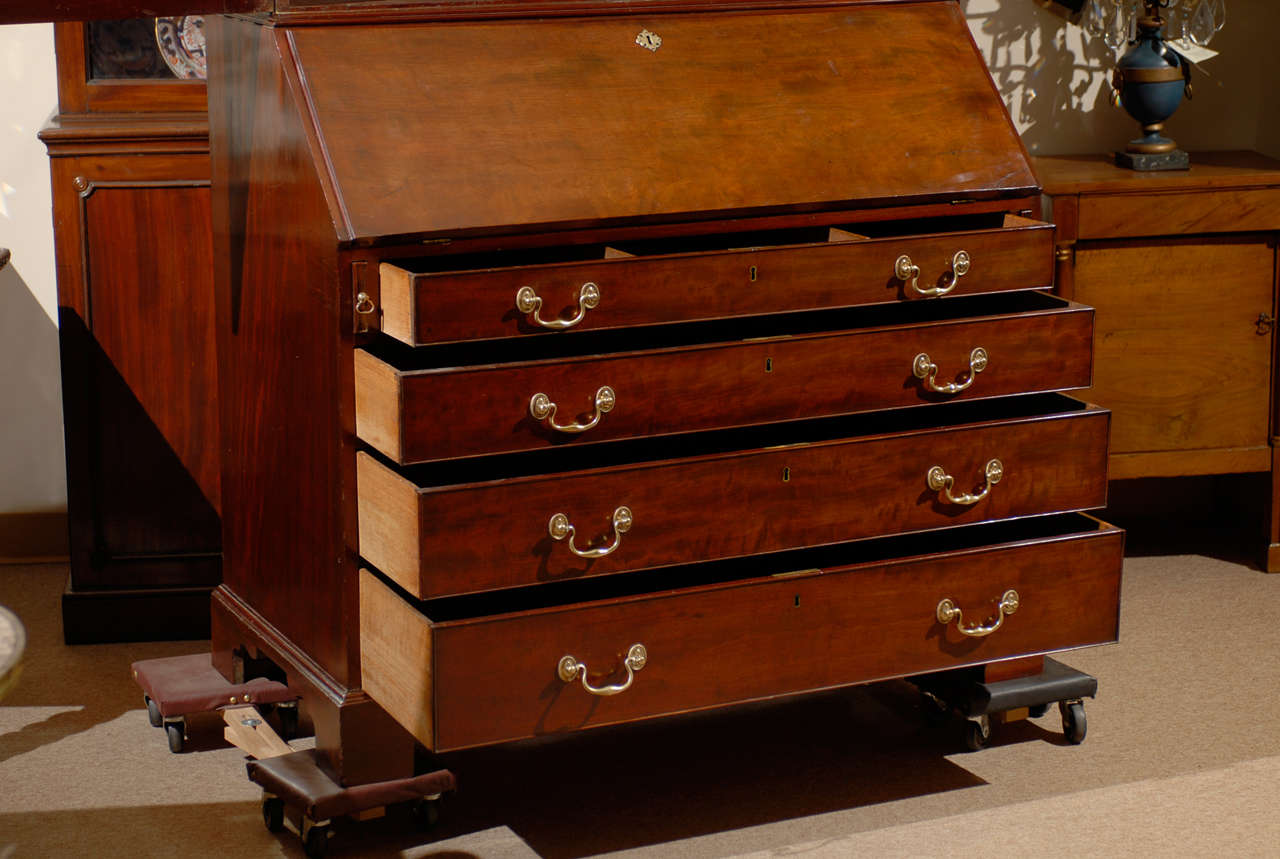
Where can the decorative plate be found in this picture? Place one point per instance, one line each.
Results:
(181, 41)
(13, 640)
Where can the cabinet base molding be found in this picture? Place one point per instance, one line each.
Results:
(33, 538)
(1174, 463)
(356, 741)
(152, 614)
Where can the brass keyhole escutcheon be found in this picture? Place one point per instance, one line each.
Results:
(754, 273)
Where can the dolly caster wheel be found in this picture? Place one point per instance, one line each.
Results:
(1074, 725)
(977, 733)
(153, 712)
(426, 812)
(316, 842)
(177, 733)
(934, 708)
(273, 813)
(288, 714)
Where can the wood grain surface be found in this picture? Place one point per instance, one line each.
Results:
(139, 388)
(1098, 174)
(395, 652)
(494, 678)
(30, 11)
(746, 112)
(495, 534)
(1179, 355)
(281, 387)
(1108, 216)
(446, 306)
(414, 416)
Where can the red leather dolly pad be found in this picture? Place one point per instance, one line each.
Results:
(302, 784)
(190, 684)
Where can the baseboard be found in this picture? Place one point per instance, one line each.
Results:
(154, 614)
(33, 538)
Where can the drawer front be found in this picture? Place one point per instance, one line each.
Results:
(419, 416)
(421, 309)
(485, 536)
(486, 680)
(1113, 216)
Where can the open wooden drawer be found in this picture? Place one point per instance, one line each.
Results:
(501, 522)
(443, 299)
(477, 670)
(474, 399)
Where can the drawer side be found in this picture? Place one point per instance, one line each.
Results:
(398, 304)
(395, 657)
(378, 404)
(390, 532)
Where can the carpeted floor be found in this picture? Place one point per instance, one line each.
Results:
(1182, 759)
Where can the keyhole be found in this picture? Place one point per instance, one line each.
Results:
(786, 474)
(768, 365)
(797, 600)
(753, 273)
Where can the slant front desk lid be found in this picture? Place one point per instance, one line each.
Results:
(462, 127)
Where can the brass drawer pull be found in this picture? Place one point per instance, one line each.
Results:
(560, 529)
(571, 669)
(924, 368)
(529, 303)
(949, 611)
(542, 409)
(906, 270)
(940, 481)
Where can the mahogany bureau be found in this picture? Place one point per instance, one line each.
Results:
(564, 360)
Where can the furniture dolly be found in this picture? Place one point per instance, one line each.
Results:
(980, 701)
(175, 687)
(178, 686)
(295, 781)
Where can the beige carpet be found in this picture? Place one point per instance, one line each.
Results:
(1182, 759)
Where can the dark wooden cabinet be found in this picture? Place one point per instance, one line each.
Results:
(586, 367)
(129, 160)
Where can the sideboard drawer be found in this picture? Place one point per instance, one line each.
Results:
(1029, 343)
(456, 679)
(438, 300)
(436, 538)
(1108, 216)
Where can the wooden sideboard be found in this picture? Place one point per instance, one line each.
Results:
(129, 158)
(1181, 269)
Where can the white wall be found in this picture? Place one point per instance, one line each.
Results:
(1056, 81)
(1269, 110)
(32, 473)
(1053, 79)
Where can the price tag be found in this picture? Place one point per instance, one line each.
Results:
(1193, 52)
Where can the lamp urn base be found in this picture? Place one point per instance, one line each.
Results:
(1145, 161)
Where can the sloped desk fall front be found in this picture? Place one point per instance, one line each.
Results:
(561, 359)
